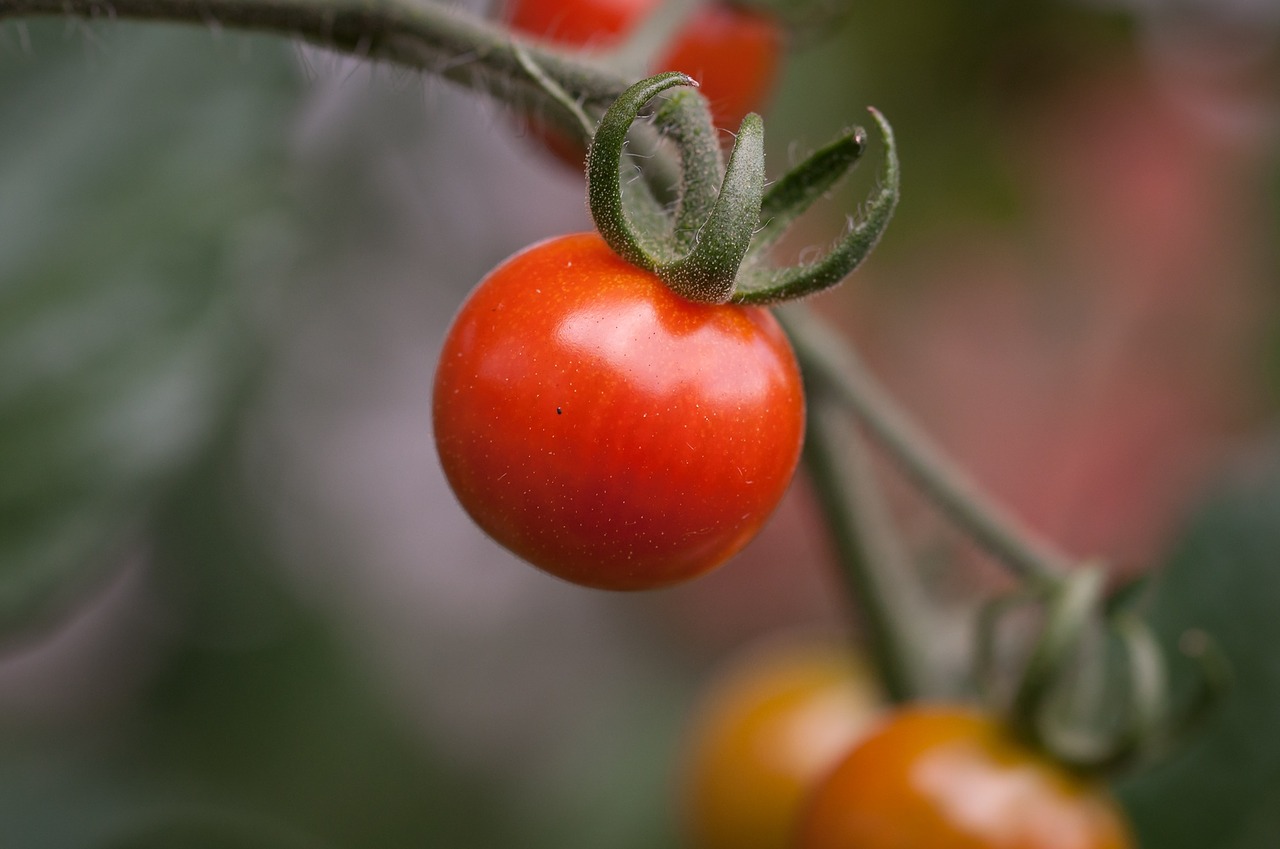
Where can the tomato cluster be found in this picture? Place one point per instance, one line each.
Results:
(619, 436)
(791, 748)
(607, 430)
(768, 727)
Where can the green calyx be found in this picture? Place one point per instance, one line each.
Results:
(1086, 645)
(711, 243)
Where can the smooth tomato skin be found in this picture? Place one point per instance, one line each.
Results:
(769, 726)
(607, 430)
(953, 778)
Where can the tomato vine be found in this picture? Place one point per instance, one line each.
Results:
(709, 243)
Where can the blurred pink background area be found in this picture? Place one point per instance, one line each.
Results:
(1094, 363)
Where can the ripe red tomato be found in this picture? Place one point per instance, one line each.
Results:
(953, 778)
(607, 430)
(579, 23)
(734, 52)
(769, 726)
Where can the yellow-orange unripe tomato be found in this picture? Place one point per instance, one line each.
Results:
(767, 729)
(947, 777)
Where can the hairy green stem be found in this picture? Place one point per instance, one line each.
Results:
(825, 357)
(1069, 612)
(424, 35)
(893, 616)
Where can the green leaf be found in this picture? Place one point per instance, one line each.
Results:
(1225, 580)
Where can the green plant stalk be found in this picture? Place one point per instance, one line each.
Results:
(424, 35)
(897, 627)
(1069, 612)
(826, 358)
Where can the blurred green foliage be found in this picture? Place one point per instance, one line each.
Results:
(133, 206)
(1223, 788)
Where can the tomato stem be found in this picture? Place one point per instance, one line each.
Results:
(1132, 716)
(1072, 605)
(585, 126)
(1139, 716)
(710, 268)
(873, 563)
(428, 36)
(632, 222)
(832, 364)
(714, 248)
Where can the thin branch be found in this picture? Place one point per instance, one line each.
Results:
(423, 35)
(898, 630)
(825, 357)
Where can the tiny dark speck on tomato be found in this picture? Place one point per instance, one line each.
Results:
(559, 411)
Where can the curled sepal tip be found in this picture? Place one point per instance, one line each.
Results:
(792, 195)
(644, 245)
(697, 249)
(795, 192)
(1160, 725)
(710, 244)
(1133, 719)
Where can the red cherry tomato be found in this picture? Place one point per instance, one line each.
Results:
(952, 778)
(768, 727)
(734, 52)
(579, 23)
(607, 430)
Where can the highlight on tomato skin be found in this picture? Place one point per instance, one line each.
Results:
(607, 430)
(767, 728)
(948, 777)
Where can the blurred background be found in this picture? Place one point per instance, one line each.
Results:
(240, 607)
